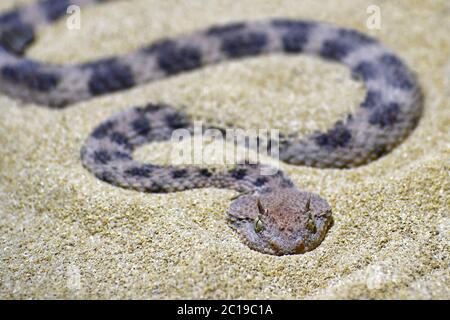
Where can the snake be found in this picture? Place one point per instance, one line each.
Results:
(270, 214)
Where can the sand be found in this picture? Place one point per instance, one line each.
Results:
(65, 234)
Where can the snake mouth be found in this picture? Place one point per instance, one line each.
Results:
(261, 242)
(304, 244)
(279, 251)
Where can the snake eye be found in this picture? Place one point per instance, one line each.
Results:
(311, 226)
(325, 214)
(259, 226)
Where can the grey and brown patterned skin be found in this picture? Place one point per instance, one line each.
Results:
(273, 216)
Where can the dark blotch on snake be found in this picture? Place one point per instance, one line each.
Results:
(339, 136)
(334, 50)
(141, 126)
(260, 181)
(295, 36)
(119, 138)
(396, 73)
(106, 176)
(17, 38)
(30, 75)
(221, 31)
(385, 116)
(102, 157)
(119, 155)
(109, 75)
(54, 9)
(244, 44)
(176, 174)
(238, 173)
(173, 59)
(176, 120)
(103, 130)
(345, 42)
(372, 100)
(205, 172)
(140, 171)
(365, 70)
(10, 18)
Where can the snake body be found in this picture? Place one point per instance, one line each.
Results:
(271, 215)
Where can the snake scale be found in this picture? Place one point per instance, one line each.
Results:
(271, 215)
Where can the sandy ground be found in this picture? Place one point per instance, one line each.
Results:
(65, 234)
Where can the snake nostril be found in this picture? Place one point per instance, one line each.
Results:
(275, 247)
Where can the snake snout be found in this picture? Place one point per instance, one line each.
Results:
(288, 246)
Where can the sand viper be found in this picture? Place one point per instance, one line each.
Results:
(271, 214)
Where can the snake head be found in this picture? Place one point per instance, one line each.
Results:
(281, 221)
